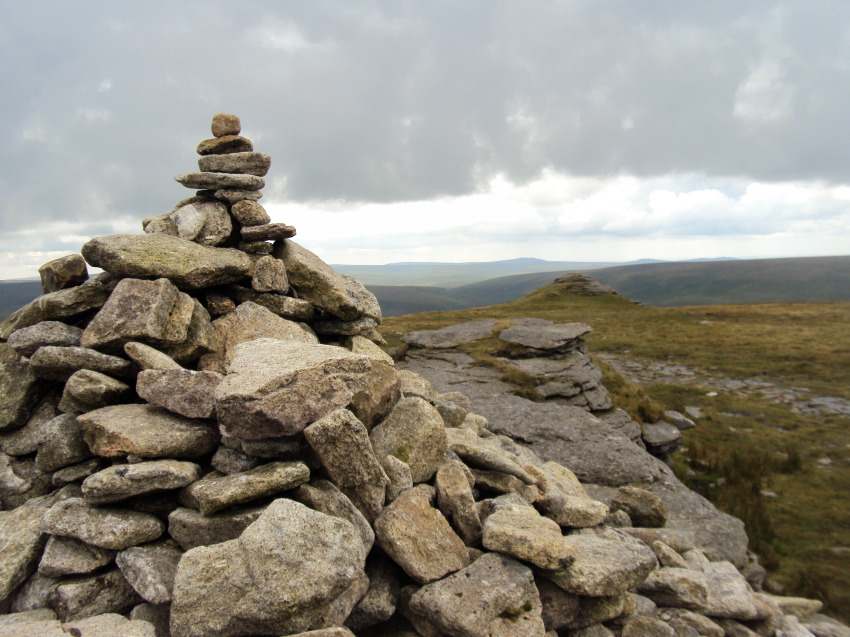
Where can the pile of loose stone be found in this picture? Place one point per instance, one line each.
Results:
(271, 472)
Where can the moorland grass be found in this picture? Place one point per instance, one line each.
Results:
(752, 457)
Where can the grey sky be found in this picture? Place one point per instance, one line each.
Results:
(385, 103)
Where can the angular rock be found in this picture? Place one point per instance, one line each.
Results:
(94, 595)
(284, 306)
(456, 501)
(230, 461)
(268, 232)
(341, 443)
(379, 396)
(21, 543)
(261, 574)
(108, 528)
(647, 627)
(76, 472)
(645, 509)
(36, 593)
(323, 496)
(60, 363)
(86, 390)
(146, 431)
(604, 567)
(255, 247)
(729, 595)
(201, 337)
(679, 420)
(482, 454)
(64, 272)
(224, 145)
(196, 398)
(362, 345)
(225, 124)
(677, 588)
(250, 321)
(216, 492)
(526, 535)
(363, 325)
(276, 388)
(235, 195)
(63, 444)
(661, 438)
(559, 606)
(150, 570)
(380, 601)
(184, 263)
(562, 502)
(27, 340)
(545, 337)
(269, 276)
(19, 389)
(399, 474)
(316, 282)
(680, 541)
(418, 538)
(191, 528)
(494, 595)
(25, 440)
(147, 357)
(215, 181)
(66, 556)
(63, 304)
(205, 222)
(236, 163)
(414, 433)
(122, 481)
(450, 336)
(250, 213)
(668, 557)
(161, 224)
(138, 310)
(11, 482)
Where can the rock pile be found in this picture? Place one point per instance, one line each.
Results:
(270, 472)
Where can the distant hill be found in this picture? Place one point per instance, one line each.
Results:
(740, 281)
(14, 294)
(450, 275)
(660, 284)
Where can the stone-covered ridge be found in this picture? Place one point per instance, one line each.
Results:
(206, 440)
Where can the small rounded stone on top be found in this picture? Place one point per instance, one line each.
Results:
(225, 124)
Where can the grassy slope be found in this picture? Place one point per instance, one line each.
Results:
(743, 446)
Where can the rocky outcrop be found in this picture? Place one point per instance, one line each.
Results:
(269, 471)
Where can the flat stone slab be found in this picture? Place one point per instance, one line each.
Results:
(123, 481)
(268, 232)
(544, 337)
(60, 363)
(108, 528)
(150, 256)
(238, 163)
(451, 336)
(27, 340)
(190, 528)
(216, 492)
(276, 388)
(214, 181)
(68, 556)
(146, 431)
(103, 625)
(225, 144)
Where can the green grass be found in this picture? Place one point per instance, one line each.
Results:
(743, 447)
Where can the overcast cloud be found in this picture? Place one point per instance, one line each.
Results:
(453, 131)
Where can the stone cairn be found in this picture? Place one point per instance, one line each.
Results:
(270, 472)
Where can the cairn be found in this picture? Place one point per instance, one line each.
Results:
(206, 440)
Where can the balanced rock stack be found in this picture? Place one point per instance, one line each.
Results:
(270, 472)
